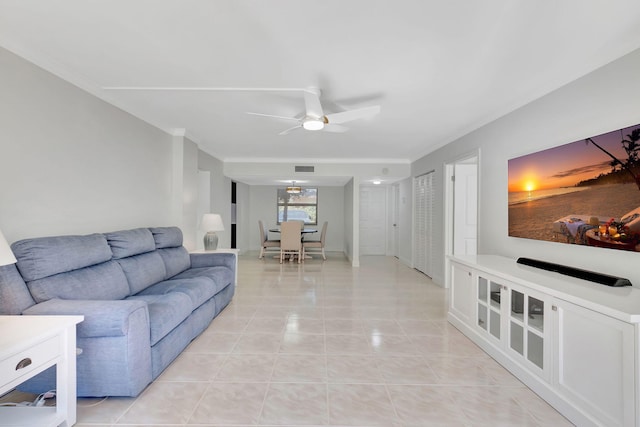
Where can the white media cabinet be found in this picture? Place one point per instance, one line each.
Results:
(575, 343)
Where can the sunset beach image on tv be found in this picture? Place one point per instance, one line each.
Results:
(584, 193)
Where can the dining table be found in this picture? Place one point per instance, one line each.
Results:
(303, 231)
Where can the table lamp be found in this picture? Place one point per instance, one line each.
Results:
(211, 223)
(6, 256)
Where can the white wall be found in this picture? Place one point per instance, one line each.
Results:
(71, 163)
(262, 202)
(220, 188)
(188, 220)
(351, 215)
(602, 101)
(384, 171)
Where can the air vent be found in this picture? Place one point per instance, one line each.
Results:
(305, 169)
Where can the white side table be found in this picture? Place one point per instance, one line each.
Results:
(28, 346)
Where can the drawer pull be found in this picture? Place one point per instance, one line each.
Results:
(23, 363)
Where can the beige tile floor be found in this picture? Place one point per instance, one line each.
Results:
(322, 343)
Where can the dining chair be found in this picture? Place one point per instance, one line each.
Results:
(265, 243)
(316, 244)
(291, 240)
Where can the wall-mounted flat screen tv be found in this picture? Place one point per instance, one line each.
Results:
(583, 193)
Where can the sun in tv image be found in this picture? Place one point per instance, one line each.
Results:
(584, 193)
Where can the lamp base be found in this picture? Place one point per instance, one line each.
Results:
(210, 241)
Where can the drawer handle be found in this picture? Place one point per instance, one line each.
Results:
(23, 363)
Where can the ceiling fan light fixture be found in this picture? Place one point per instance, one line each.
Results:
(313, 124)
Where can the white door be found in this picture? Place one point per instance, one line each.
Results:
(373, 206)
(465, 221)
(395, 218)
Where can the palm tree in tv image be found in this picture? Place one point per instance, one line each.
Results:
(631, 165)
(623, 171)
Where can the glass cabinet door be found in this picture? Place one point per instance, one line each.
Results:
(489, 303)
(494, 310)
(526, 326)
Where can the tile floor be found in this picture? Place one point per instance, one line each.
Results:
(325, 344)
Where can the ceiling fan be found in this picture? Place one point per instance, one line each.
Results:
(315, 119)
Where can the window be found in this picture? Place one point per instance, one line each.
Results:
(298, 207)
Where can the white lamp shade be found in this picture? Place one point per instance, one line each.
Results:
(6, 256)
(212, 222)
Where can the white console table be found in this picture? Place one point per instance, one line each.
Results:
(28, 346)
(575, 343)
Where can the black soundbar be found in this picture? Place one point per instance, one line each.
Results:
(592, 276)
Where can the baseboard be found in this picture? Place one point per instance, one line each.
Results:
(405, 261)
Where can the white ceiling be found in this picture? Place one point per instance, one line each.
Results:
(438, 69)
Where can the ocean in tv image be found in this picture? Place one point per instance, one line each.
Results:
(586, 192)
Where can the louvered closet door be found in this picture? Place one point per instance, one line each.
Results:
(423, 202)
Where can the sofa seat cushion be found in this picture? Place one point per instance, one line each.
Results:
(166, 311)
(221, 276)
(198, 289)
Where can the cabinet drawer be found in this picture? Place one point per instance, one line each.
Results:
(29, 360)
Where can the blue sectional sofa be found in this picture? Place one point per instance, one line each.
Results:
(143, 297)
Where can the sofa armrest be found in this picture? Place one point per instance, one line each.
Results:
(108, 318)
(214, 259)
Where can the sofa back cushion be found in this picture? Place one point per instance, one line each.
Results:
(176, 260)
(104, 281)
(167, 237)
(143, 270)
(127, 243)
(135, 251)
(47, 256)
(169, 245)
(70, 267)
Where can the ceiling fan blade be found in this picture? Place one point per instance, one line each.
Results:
(271, 115)
(335, 128)
(347, 116)
(312, 103)
(286, 131)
